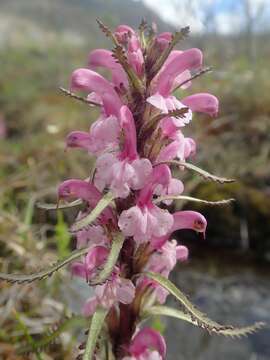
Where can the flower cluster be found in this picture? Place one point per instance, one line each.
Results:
(137, 138)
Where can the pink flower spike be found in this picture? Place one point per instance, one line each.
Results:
(90, 81)
(177, 63)
(148, 339)
(104, 58)
(202, 102)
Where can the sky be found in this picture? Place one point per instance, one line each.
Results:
(228, 14)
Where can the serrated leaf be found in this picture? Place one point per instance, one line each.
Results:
(97, 322)
(94, 214)
(192, 199)
(40, 275)
(205, 174)
(116, 247)
(161, 310)
(196, 315)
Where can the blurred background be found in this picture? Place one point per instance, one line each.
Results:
(227, 276)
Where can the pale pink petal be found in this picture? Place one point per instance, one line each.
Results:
(132, 221)
(190, 147)
(159, 102)
(142, 171)
(164, 220)
(125, 291)
(104, 173)
(184, 76)
(181, 253)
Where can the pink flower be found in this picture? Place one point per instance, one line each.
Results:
(176, 64)
(86, 191)
(163, 261)
(145, 219)
(104, 58)
(90, 81)
(93, 235)
(95, 258)
(125, 170)
(104, 135)
(116, 289)
(186, 219)
(147, 344)
(127, 36)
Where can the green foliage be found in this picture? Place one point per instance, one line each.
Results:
(62, 236)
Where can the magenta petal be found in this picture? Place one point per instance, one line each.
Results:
(88, 80)
(78, 269)
(79, 139)
(128, 125)
(202, 102)
(145, 339)
(189, 220)
(177, 63)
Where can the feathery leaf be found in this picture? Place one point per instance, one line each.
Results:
(196, 315)
(161, 310)
(43, 274)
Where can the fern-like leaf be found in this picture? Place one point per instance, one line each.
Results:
(43, 274)
(196, 315)
(234, 332)
(97, 323)
(105, 273)
(205, 174)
